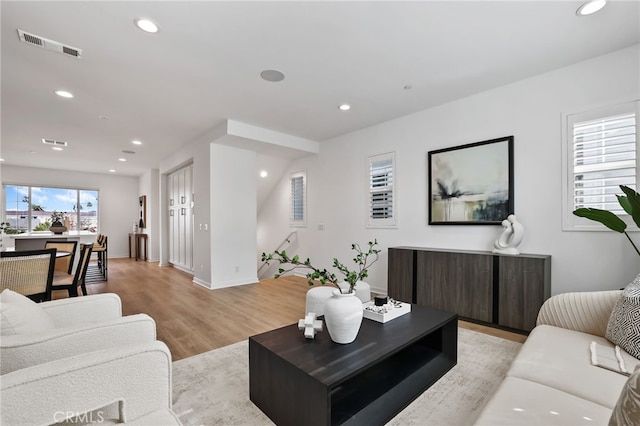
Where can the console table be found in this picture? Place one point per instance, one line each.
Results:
(495, 289)
(296, 381)
(135, 239)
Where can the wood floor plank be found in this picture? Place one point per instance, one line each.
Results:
(191, 319)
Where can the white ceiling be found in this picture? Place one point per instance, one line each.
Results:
(203, 66)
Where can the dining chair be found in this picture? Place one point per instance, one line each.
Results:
(28, 272)
(63, 246)
(99, 272)
(62, 283)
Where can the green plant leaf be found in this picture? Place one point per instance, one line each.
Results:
(633, 198)
(624, 202)
(605, 217)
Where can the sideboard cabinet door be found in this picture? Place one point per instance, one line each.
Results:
(456, 282)
(401, 275)
(524, 285)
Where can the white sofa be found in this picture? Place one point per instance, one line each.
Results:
(552, 380)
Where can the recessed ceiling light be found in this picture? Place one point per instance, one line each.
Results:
(136, 142)
(122, 159)
(345, 107)
(264, 174)
(272, 75)
(56, 148)
(590, 7)
(1, 159)
(63, 94)
(112, 171)
(146, 25)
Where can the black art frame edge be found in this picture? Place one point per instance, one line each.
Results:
(511, 203)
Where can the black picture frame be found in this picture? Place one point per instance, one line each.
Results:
(471, 184)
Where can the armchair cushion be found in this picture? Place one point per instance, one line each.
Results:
(623, 328)
(76, 325)
(21, 315)
(137, 378)
(74, 310)
(24, 350)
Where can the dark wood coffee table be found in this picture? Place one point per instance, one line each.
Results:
(296, 381)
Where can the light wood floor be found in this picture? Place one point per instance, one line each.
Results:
(191, 319)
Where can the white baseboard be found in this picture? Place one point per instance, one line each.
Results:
(202, 283)
(225, 284)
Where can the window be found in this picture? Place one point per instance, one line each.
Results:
(381, 185)
(29, 208)
(601, 154)
(298, 200)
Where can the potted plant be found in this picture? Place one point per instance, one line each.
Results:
(322, 275)
(630, 202)
(343, 311)
(57, 227)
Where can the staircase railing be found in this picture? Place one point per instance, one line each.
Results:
(280, 247)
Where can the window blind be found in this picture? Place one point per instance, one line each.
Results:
(297, 199)
(604, 158)
(381, 189)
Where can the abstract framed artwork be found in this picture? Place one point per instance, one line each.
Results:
(471, 184)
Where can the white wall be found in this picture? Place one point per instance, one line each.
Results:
(198, 154)
(531, 110)
(117, 205)
(233, 216)
(149, 185)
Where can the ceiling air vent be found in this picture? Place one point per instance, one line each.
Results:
(45, 43)
(54, 142)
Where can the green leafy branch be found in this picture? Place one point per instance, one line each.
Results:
(321, 275)
(364, 260)
(630, 202)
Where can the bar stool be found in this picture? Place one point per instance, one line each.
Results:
(100, 247)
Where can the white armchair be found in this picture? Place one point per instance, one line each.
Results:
(74, 326)
(129, 384)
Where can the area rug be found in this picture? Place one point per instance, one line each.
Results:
(213, 388)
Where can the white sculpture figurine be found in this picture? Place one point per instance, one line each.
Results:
(310, 325)
(510, 238)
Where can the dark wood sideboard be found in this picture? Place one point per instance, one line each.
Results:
(501, 290)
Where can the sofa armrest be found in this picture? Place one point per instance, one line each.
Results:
(587, 312)
(75, 310)
(137, 378)
(21, 351)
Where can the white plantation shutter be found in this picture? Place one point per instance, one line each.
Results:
(298, 199)
(600, 151)
(604, 152)
(381, 183)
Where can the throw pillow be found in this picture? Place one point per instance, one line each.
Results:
(624, 324)
(21, 315)
(627, 409)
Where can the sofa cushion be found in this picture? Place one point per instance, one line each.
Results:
(627, 410)
(522, 402)
(21, 315)
(561, 359)
(623, 328)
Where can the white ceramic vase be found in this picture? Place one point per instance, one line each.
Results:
(343, 316)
